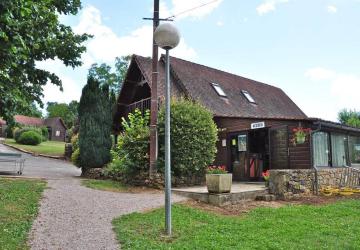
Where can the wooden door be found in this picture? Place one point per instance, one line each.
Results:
(279, 147)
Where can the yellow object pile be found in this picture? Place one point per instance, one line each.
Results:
(345, 191)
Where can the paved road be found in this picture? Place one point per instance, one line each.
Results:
(40, 166)
(72, 216)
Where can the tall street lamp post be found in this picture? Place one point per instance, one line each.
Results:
(167, 37)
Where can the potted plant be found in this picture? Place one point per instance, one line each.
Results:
(266, 176)
(218, 180)
(300, 134)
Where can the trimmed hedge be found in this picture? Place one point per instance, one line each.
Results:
(30, 138)
(19, 131)
(193, 138)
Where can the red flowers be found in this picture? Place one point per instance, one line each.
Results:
(216, 170)
(266, 175)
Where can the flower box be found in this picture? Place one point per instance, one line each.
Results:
(219, 183)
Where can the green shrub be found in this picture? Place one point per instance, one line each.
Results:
(193, 138)
(19, 131)
(75, 142)
(131, 155)
(44, 133)
(30, 138)
(75, 157)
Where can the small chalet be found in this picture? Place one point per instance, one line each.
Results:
(56, 126)
(257, 122)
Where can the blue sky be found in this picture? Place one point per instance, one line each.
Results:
(309, 48)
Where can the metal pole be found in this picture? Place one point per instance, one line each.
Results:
(167, 147)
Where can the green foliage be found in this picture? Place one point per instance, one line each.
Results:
(30, 138)
(75, 157)
(95, 125)
(349, 117)
(44, 133)
(30, 31)
(67, 112)
(131, 156)
(31, 110)
(18, 208)
(332, 226)
(193, 138)
(19, 131)
(103, 73)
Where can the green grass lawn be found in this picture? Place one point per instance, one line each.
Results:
(105, 185)
(334, 226)
(18, 208)
(54, 148)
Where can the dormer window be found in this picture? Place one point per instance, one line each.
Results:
(248, 96)
(218, 89)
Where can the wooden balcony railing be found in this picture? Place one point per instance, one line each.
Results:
(142, 105)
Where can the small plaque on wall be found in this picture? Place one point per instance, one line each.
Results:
(256, 125)
(223, 142)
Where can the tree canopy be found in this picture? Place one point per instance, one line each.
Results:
(30, 31)
(104, 74)
(349, 117)
(67, 112)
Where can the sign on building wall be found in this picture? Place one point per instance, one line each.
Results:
(257, 125)
(57, 133)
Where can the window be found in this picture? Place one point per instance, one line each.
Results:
(354, 149)
(320, 142)
(218, 89)
(338, 150)
(248, 96)
(57, 133)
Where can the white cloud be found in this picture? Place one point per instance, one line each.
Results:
(331, 9)
(102, 48)
(268, 6)
(344, 88)
(219, 23)
(319, 73)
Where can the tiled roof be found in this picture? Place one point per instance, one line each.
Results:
(27, 120)
(195, 81)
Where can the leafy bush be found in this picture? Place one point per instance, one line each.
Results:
(44, 133)
(75, 157)
(19, 131)
(75, 142)
(193, 138)
(131, 155)
(30, 138)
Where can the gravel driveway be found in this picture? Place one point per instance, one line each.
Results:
(72, 216)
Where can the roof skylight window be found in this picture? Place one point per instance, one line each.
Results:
(248, 96)
(218, 89)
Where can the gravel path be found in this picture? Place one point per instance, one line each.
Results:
(75, 217)
(72, 216)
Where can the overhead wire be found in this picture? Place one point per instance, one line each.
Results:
(191, 9)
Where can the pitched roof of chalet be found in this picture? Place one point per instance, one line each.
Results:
(27, 120)
(35, 121)
(195, 81)
(51, 122)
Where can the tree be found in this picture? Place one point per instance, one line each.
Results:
(349, 117)
(95, 125)
(30, 31)
(67, 112)
(31, 110)
(103, 73)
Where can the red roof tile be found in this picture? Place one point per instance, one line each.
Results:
(27, 120)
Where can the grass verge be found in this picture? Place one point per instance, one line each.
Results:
(334, 226)
(105, 185)
(18, 208)
(53, 148)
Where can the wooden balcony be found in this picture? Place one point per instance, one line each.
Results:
(142, 105)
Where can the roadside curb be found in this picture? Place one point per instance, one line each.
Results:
(35, 154)
(22, 177)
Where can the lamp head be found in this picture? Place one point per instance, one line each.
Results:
(167, 36)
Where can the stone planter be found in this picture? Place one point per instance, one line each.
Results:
(219, 183)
